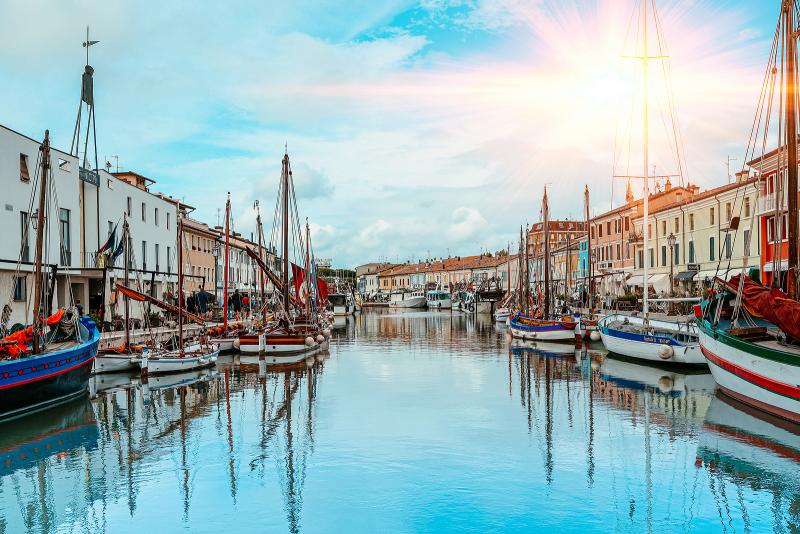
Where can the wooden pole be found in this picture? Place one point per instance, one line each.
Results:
(227, 263)
(791, 141)
(44, 149)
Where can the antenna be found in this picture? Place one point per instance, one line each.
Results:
(728, 166)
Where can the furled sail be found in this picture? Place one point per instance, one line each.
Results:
(770, 304)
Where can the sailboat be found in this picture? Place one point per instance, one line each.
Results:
(752, 349)
(186, 356)
(546, 328)
(50, 361)
(299, 327)
(643, 338)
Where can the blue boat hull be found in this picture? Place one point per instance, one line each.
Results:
(35, 383)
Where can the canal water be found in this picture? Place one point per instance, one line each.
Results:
(410, 422)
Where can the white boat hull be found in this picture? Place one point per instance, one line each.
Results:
(173, 362)
(688, 354)
(543, 335)
(444, 304)
(410, 302)
(755, 380)
(224, 343)
(350, 309)
(115, 363)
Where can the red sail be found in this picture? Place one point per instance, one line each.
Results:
(322, 291)
(769, 304)
(141, 297)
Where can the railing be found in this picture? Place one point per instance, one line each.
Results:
(765, 204)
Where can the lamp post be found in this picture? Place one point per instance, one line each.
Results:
(671, 242)
(216, 252)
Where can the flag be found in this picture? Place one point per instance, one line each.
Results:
(110, 243)
(112, 256)
(299, 275)
(322, 290)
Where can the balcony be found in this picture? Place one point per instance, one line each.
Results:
(765, 204)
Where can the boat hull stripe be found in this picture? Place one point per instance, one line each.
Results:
(775, 386)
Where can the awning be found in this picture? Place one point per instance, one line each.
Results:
(685, 276)
(768, 267)
(656, 281)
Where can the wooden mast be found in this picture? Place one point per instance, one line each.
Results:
(589, 266)
(126, 260)
(260, 231)
(180, 279)
(308, 274)
(285, 232)
(646, 163)
(791, 143)
(546, 224)
(40, 222)
(227, 260)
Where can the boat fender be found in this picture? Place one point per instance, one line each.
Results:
(594, 335)
(320, 338)
(326, 332)
(665, 352)
(309, 341)
(236, 343)
(665, 384)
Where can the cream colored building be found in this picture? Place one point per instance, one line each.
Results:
(703, 235)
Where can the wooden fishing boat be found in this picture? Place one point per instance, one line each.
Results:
(49, 362)
(750, 334)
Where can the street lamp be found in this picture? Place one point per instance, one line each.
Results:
(671, 242)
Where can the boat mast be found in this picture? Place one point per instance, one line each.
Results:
(180, 279)
(791, 142)
(260, 230)
(307, 279)
(227, 260)
(546, 223)
(126, 259)
(37, 276)
(285, 230)
(589, 265)
(525, 280)
(646, 163)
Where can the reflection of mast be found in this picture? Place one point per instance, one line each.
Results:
(184, 466)
(648, 462)
(231, 463)
(590, 444)
(548, 425)
(291, 491)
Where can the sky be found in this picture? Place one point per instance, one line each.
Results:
(415, 129)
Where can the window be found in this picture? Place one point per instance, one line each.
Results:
(627, 224)
(130, 206)
(770, 229)
(746, 206)
(712, 245)
(728, 248)
(663, 255)
(628, 250)
(676, 225)
(651, 257)
(156, 258)
(155, 217)
(711, 215)
(144, 212)
(728, 211)
(167, 220)
(663, 227)
(691, 222)
(691, 251)
(608, 227)
(144, 255)
(747, 242)
(619, 250)
(130, 253)
(599, 230)
(25, 248)
(640, 256)
(676, 251)
(649, 229)
(23, 168)
(169, 260)
(20, 288)
(63, 225)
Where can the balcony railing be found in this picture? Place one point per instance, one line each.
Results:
(765, 204)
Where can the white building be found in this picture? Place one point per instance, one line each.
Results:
(84, 209)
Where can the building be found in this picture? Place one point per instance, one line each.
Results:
(91, 207)
(772, 216)
(560, 232)
(366, 277)
(694, 238)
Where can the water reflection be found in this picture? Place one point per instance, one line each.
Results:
(413, 422)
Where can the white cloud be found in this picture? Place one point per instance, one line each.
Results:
(467, 223)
